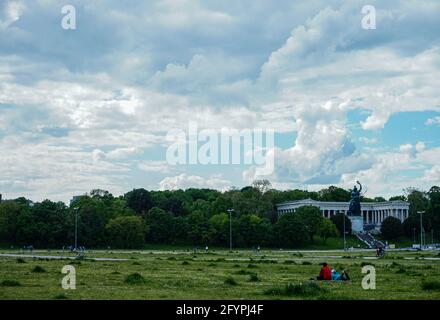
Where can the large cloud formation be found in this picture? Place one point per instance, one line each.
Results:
(91, 107)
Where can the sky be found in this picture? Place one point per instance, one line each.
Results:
(92, 107)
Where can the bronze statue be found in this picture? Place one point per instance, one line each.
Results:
(355, 202)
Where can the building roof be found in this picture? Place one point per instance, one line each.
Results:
(312, 202)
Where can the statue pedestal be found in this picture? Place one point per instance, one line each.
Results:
(357, 223)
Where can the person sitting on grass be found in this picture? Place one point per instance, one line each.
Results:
(335, 275)
(345, 276)
(325, 273)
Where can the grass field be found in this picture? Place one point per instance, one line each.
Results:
(183, 274)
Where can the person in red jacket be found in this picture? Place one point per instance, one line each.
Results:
(325, 273)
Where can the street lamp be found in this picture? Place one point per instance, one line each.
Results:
(421, 228)
(76, 226)
(230, 229)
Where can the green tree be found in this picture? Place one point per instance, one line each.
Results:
(201, 205)
(93, 216)
(253, 230)
(261, 185)
(327, 229)
(126, 232)
(9, 213)
(311, 217)
(418, 200)
(290, 231)
(411, 224)
(180, 230)
(249, 200)
(175, 202)
(292, 195)
(200, 230)
(44, 224)
(433, 209)
(220, 224)
(222, 203)
(338, 220)
(333, 193)
(139, 200)
(160, 225)
(398, 198)
(101, 194)
(391, 228)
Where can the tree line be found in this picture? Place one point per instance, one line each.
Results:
(425, 203)
(191, 217)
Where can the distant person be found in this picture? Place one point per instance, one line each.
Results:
(345, 276)
(206, 249)
(380, 252)
(336, 276)
(325, 273)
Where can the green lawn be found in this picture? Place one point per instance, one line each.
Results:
(243, 274)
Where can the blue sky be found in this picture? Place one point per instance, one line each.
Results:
(91, 107)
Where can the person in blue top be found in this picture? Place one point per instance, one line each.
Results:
(336, 275)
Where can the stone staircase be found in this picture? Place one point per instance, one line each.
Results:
(369, 240)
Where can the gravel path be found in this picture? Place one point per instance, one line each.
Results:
(11, 255)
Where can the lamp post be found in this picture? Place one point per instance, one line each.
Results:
(421, 228)
(76, 226)
(230, 229)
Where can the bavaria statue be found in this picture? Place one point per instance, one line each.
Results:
(355, 202)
